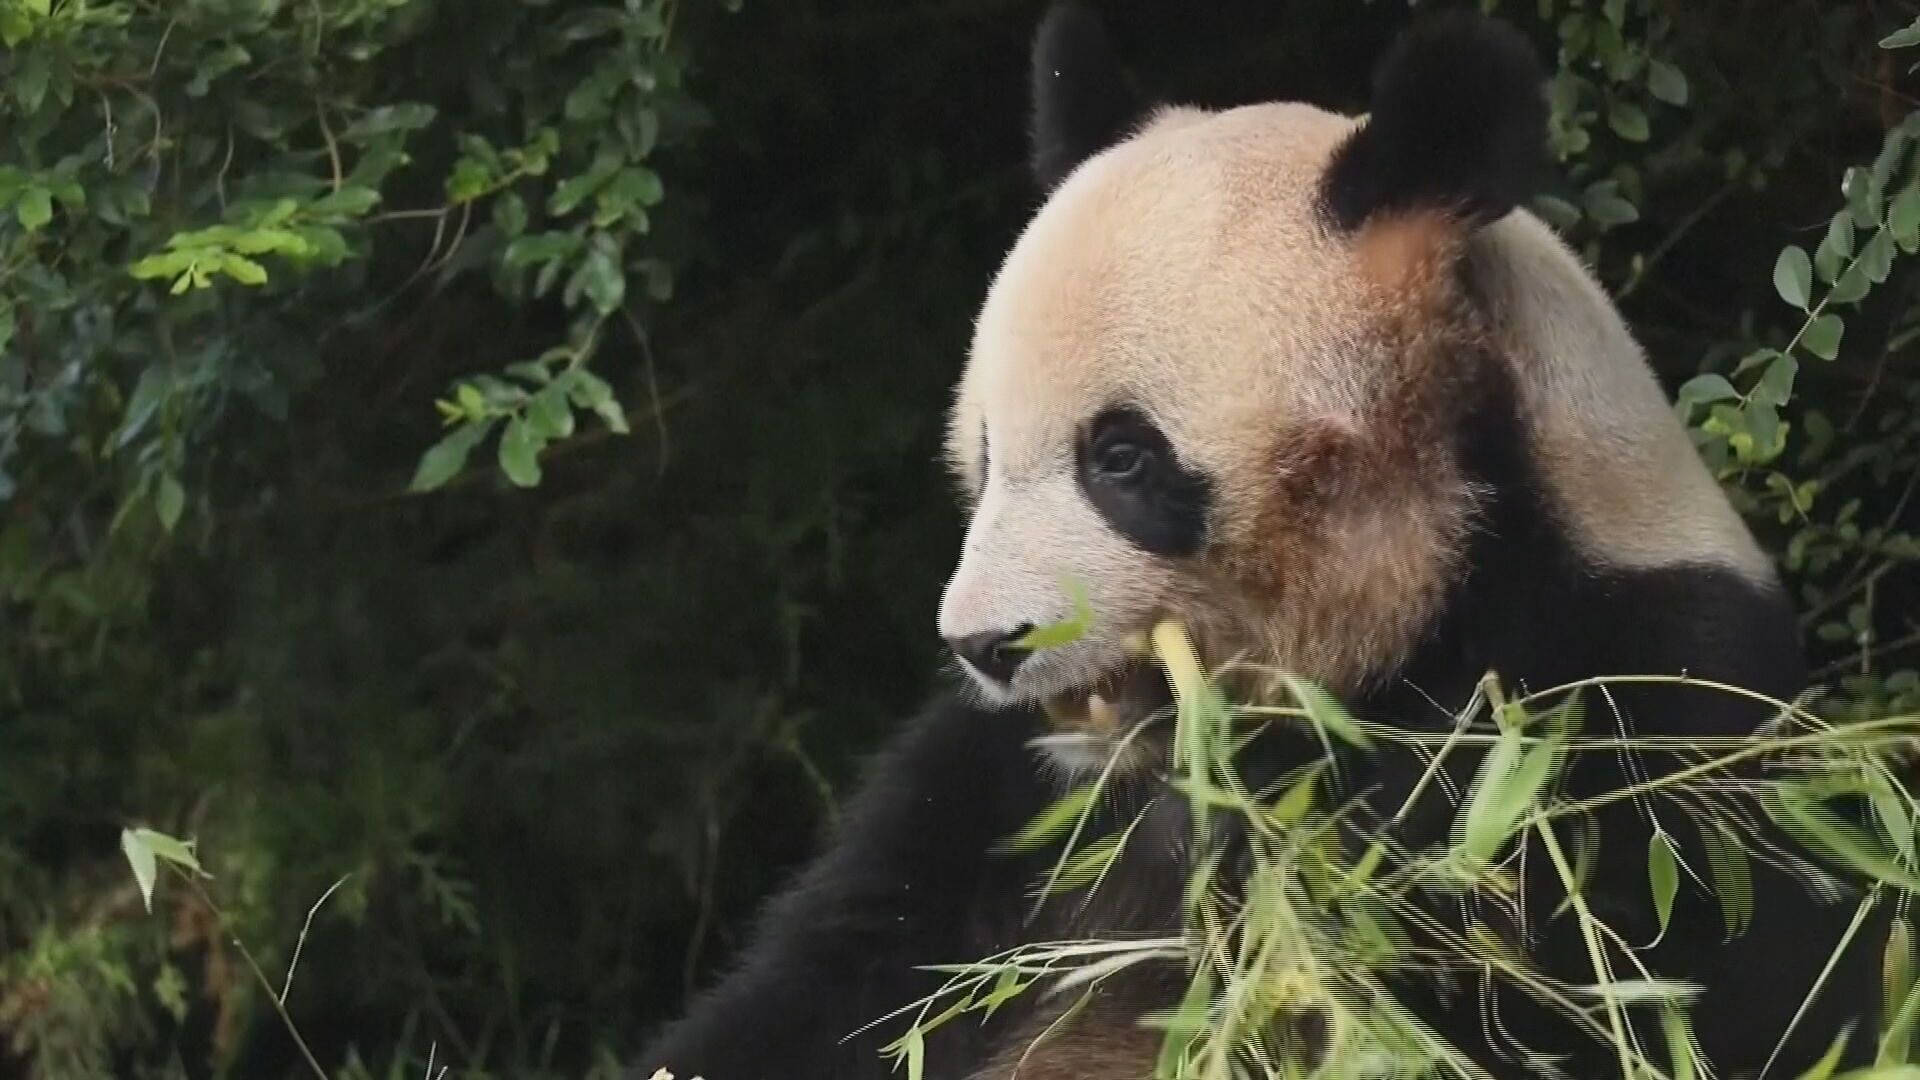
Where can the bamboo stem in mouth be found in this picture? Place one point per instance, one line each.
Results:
(1176, 651)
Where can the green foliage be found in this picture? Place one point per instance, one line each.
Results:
(1314, 930)
(146, 850)
(1066, 631)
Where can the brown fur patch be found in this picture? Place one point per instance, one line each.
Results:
(1409, 256)
(1362, 526)
(1106, 1040)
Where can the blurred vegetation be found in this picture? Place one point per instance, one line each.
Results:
(485, 451)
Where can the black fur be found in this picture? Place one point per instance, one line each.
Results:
(1163, 511)
(1083, 101)
(1458, 123)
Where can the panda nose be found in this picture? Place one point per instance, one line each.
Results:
(993, 653)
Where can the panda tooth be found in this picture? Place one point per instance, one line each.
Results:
(1101, 713)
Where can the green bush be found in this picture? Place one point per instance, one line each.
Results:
(484, 451)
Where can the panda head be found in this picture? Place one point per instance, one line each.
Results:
(1223, 374)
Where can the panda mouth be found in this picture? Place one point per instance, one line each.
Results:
(1116, 702)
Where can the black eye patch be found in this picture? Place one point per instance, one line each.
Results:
(1130, 474)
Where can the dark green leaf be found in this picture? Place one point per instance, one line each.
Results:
(14, 27)
(1793, 277)
(168, 501)
(590, 391)
(1556, 212)
(1835, 248)
(35, 208)
(30, 80)
(604, 282)
(533, 372)
(350, 201)
(1876, 257)
(1609, 211)
(520, 453)
(468, 181)
(444, 460)
(1666, 82)
(510, 214)
(539, 247)
(1629, 121)
(1863, 194)
(407, 116)
(1852, 286)
(1903, 217)
(1764, 428)
(1776, 382)
(1706, 389)
(591, 23)
(1822, 336)
(550, 414)
(575, 190)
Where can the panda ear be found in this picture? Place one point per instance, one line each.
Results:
(1458, 125)
(1082, 99)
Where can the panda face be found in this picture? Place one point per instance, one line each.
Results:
(1192, 394)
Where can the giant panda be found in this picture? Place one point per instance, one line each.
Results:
(1320, 388)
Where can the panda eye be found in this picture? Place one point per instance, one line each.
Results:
(1122, 460)
(1130, 473)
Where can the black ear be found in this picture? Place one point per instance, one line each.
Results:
(1082, 100)
(1458, 125)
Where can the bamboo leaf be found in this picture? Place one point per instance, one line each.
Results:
(1825, 833)
(1663, 876)
(1732, 876)
(1509, 783)
(1326, 713)
(1055, 819)
(1068, 630)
